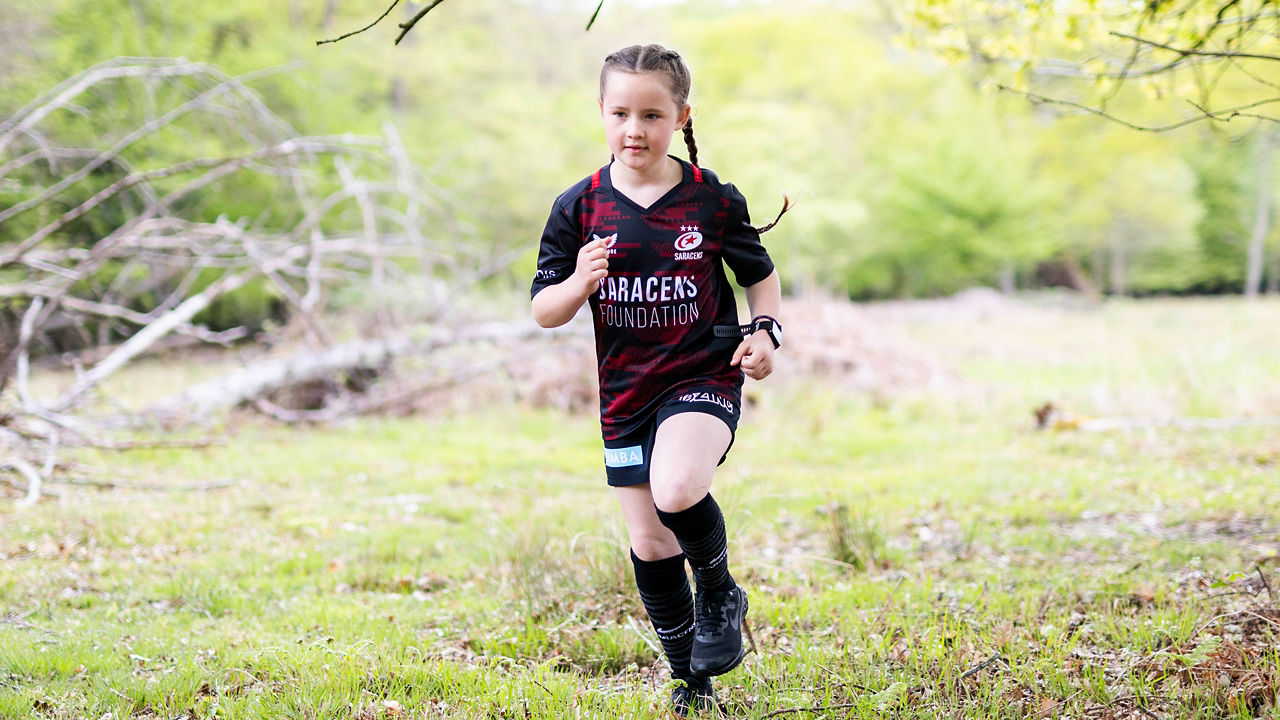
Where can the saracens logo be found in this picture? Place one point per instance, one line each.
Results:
(690, 238)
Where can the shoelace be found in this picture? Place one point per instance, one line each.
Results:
(713, 613)
(688, 695)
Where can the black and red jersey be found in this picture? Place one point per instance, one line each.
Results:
(666, 288)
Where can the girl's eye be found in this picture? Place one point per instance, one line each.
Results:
(652, 116)
(619, 113)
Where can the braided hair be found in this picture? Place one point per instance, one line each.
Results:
(667, 63)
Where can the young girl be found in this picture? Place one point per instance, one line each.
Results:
(644, 241)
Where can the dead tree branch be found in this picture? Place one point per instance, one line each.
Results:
(258, 380)
(103, 264)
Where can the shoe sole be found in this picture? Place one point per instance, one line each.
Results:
(742, 651)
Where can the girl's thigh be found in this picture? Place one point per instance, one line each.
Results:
(686, 450)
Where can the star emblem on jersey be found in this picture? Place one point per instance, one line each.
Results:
(690, 238)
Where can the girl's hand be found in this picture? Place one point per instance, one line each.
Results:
(593, 266)
(755, 355)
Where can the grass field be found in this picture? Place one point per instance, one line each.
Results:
(914, 554)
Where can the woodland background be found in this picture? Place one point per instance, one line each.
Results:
(279, 439)
(916, 175)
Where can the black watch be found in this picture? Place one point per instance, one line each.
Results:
(769, 325)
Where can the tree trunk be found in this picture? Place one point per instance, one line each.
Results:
(1008, 280)
(1261, 219)
(1117, 268)
(1273, 278)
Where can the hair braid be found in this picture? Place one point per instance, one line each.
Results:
(689, 142)
(786, 205)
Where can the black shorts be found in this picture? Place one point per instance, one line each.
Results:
(626, 458)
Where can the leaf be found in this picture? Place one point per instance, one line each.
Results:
(891, 695)
(592, 21)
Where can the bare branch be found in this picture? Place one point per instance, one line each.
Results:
(366, 27)
(162, 326)
(23, 348)
(261, 378)
(227, 86)
(57, 98)
(28, 471)
(142, 280)
(405, 27)
(1192, 52)
(1216, 115)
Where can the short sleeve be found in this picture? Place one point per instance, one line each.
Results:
(558, 252)
(741, 249)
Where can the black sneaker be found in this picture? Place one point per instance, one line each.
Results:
(717, 635)
(693, 693)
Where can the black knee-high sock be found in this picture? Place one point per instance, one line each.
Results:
(700, 531)
(664, 590)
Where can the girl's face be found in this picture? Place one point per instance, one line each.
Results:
(640, 117)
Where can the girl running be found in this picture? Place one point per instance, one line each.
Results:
(645, 241)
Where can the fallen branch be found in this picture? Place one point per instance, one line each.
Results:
(161, 327)
(981, 666)
(34, 481)
(262, 378)
(109, 484)
(1051, 417)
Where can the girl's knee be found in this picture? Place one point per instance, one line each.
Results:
(679, 493)
(654, 547)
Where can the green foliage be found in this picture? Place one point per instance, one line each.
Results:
(1227, 196)
(910, 179)
(959, 199)
(252, 306)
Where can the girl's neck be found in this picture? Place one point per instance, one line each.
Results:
(661, 178)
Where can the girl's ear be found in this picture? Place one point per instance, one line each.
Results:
(683, 117)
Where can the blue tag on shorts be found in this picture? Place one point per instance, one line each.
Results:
(624, 457)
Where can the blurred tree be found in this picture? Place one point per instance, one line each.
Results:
(910, 180)
(1210, 59)
(1122, 205)
(958, 199)
(1151, 66)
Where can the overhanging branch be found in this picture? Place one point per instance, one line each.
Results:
(1216, 115)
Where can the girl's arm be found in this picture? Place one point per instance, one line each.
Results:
(755, 353)
(556, 304)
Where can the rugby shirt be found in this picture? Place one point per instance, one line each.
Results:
(654, 314)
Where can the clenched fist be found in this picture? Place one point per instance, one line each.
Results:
(592, 267)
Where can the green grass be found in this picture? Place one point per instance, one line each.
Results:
(474, 565)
